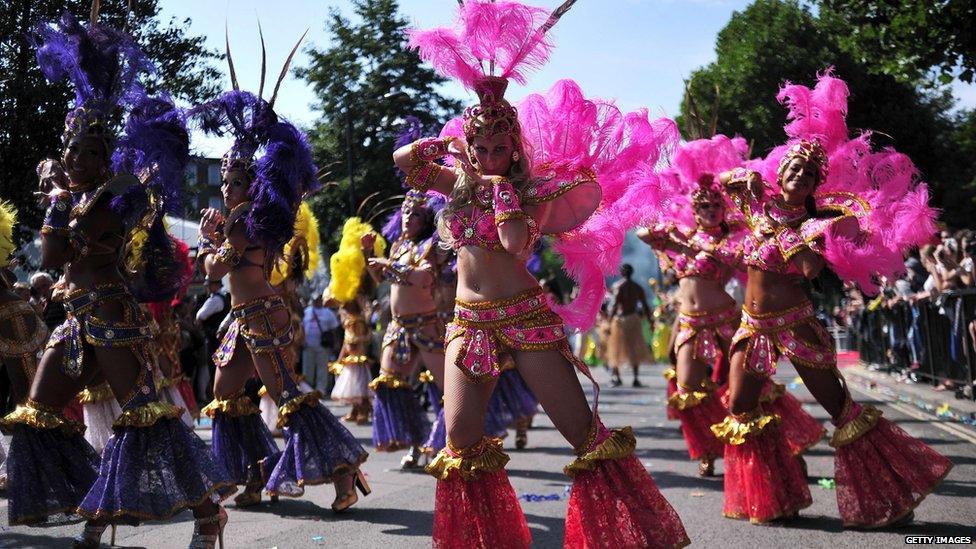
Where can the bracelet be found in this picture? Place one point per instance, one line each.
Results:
(396, 273)
(505, 202)
(429, 148)
(206, 245)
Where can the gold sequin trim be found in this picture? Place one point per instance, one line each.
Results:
(735, 430)
(619, 444)
(235, 406)
(484, 457)
(670, 374)
(857, 428)
(99, 393)
(390, 380)
(293, 405)
(148, 414)
(38, 416)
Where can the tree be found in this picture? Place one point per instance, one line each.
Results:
(773, 41)
(366, 81)
(35, 109)
(908, 39)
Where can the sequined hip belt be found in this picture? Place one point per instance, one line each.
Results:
(771, 335)
(489, 328)
(253, 321)
(705, 330)
(406, 332)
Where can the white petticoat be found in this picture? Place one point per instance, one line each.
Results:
(99, 417)
(352, 385)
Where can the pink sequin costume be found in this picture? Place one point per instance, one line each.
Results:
(877, 195)
(582, 155)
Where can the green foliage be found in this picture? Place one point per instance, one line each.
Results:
(367, 82)
(773, 41)
(35, 109)
(908, 39)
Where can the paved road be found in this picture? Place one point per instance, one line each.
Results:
(399, 513)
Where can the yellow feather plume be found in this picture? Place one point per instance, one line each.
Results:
(348, 264)
(302, 249)
(8, 218)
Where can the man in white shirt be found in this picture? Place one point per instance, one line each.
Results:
(209, 316)
(318, 319)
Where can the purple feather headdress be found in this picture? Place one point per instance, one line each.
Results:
(281, 176)
(102, 64)
(435, 201)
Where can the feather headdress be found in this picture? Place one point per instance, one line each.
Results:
(301, 255)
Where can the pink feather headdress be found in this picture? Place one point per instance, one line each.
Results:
(898, 216)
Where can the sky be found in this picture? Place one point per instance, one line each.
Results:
(637, 52)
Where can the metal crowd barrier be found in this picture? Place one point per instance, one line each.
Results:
(931, 338)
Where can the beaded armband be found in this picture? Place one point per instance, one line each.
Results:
(429, 148)
(505, 202)
(58, 216)
(789, 241)
(739, 180)
(228, 254)
(206, 245)
(422, 176)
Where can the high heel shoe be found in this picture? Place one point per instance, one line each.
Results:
(91, 536)
(350, 498)
(249, 497)
(521, 437)
(209, 541)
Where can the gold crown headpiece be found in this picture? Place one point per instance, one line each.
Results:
(82, 121)
(808, 150)
(706, 191)
(492, 115)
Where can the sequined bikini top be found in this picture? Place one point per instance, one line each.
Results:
(475, 224)
(717, 252)
(768, 248)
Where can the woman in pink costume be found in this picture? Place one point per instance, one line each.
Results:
(836, 202)
(556, 155)
(705, 251)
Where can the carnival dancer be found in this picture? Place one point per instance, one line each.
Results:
(627, 345)
(22, 331)
(352, 368)
(835, 202)
(415, 333)
(705, 251)
(153, 466)
(299, 261)
(500, 309)
(262, 197)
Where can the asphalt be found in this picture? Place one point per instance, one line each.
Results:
(399, 512)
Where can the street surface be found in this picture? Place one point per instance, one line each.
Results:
(399, 512)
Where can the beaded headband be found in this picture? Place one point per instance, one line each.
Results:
(706, 192)
(808, 150)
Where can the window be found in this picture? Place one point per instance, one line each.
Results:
(213, 174)
(191, 174)
(216, 202)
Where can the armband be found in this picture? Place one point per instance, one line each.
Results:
(505, 202)
(206, 245)
(429, 148)
(396, 273)
(421, 177)
(58, 216)
(228, 254)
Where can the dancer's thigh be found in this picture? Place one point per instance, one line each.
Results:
(230, 379)
(553, 380)
(744, 388)
(465, 402)
(51, 386)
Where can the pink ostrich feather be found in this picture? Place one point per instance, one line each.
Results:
(900, 217)
(489, 39)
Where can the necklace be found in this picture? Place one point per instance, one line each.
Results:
(785, 214)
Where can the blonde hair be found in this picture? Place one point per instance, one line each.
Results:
(464, 188)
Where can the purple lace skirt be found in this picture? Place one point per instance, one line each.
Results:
(398, 420)
(49, 471)
(243, 447)
(438, 435)
(154, 472)
(317, 450)
(511, 402)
